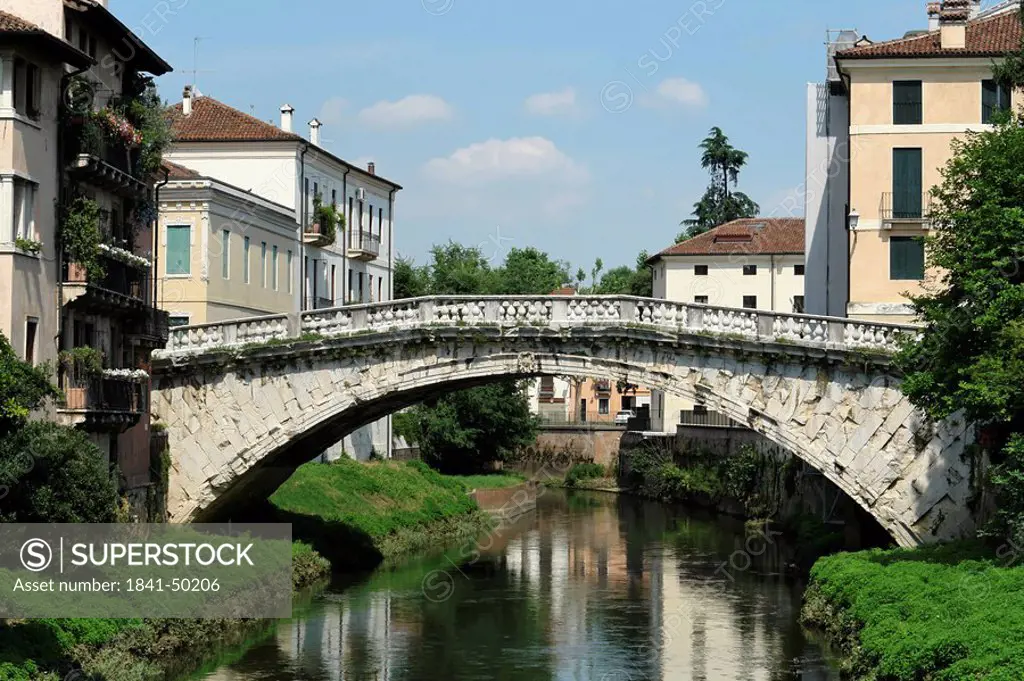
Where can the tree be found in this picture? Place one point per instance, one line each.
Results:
(23, 389)
(528, 271)
(630, 281)
(459, 270)
(461, 431)
(971, 354)
(410, 281)
(720, 204)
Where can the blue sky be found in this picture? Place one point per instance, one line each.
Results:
(569, 125)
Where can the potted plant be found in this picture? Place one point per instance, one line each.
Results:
(79, 366)
(80, 238)
(325, 220)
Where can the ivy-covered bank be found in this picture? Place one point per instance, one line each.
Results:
(358, 515)
(943, 613)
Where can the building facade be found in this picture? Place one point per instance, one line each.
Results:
(895, 108)
(222, 252)
(755, 263)
(76, 250)
(285, 171)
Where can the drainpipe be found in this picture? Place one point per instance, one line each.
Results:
(156, 238)
(391, 244)
(302, 228)
(345, 235)
(61, 186)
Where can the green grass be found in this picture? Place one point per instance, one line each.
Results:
(375, 499)
(492, 481)
(947, 613)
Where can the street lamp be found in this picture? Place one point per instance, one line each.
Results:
(853, 219)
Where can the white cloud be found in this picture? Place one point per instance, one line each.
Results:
(495, 159)
(677, 92)
(562, 103)
(407, 112)
(332, 112)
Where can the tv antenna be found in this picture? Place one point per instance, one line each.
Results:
(195, 62)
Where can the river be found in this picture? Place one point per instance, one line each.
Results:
(589, 587)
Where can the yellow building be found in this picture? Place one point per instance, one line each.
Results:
(224, 253)
(908, 99)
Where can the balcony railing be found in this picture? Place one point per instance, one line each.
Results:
(364, 246)
(120, 278)
(602, 386)
(910, 207)
(696, 417)
(152, 327)
(105, 162)
(102, 402)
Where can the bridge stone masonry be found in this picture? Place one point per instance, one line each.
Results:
(246, 401)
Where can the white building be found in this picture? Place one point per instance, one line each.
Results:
(756, 263)
(281, 166)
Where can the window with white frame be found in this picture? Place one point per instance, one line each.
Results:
(24, 209)
(179, 250)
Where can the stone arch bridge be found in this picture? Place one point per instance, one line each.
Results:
(246, 401)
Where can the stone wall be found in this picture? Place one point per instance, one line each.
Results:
(584, 443)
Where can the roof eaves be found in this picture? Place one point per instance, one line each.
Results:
(148, 60)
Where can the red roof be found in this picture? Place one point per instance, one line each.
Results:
(758, 236)
(213, 121)
(986, 37)
(564, 291)
(177, 172)
(9, 22)
(14, 28)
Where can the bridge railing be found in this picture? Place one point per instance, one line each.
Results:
(543, 312)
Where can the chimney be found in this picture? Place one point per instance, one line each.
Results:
(934, 10)
(186, 101)
(953, 24)
(371, 168)
(286, 117)
(314, 131)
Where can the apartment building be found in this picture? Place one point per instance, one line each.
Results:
(557, 399)
(76, 209)
(223, 252)
(283, 170)
(893, 109)
(754, 263)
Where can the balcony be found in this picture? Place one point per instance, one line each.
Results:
(123, 285)
(317, 236)
(364, 246)
(150, 329)
(99, 161)
(101, 403)
(603, 386)
(904, 208)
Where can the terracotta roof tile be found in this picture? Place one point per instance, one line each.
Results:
(12, 24)
(564, 291)
(986, 37)
(177, 172)
(14, 28)
(759, 236)
(213, 121)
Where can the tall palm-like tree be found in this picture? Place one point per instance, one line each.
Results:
(719, 204)
(720, 158)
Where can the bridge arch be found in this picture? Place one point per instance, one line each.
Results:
(245, 404)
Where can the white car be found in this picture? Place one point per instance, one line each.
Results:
(622, 418)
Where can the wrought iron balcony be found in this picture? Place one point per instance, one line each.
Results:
(122, 285)
(363, 246)
(101, 161)
(151, 328)
(905, 207)
(102, 403)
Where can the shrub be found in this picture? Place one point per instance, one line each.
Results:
(584, 471)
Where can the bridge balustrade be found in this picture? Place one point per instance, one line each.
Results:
(550, 312)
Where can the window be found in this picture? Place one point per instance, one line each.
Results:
(750, 270)
(291, 273)
(334, 197)
(700, 410)
(31, 330)
(906, 258)
(263, 264)
(225, 252)
(25, 83)
(273, 269)
(179, 250)
(798, 304)
(700, 270)
(700, 300)
(906, 102)
(380, 288)
(603, 405)
(994, 98)
(583, 411)
(369, 286)
(370, 228)
(906, 184)
(24, 209)
(361, 279)
(178, 320)
(334, 282)
(750, 302)
(360, 226)
(351, 287)
(380, 224)
(245, 257)
(798, 270)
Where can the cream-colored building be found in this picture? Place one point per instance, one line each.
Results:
(223, 253)
(756, 263)
(907, 101)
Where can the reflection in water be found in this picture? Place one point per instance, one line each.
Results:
(589, 587)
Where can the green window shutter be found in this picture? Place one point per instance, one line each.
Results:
(179, 250)
(906, 183)
(906, 258)
(906, 102)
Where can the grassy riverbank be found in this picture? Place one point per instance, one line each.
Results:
(490, 481)
(947, 613)
(359, 515)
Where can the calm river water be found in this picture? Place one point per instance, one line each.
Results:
(589, 587)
